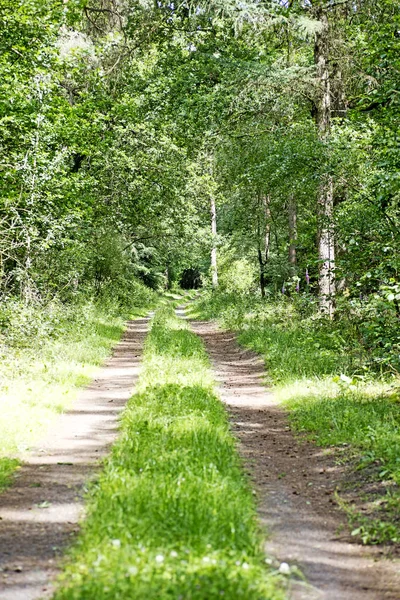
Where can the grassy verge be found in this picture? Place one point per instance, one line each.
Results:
(172, 515)
(46, 355)
(321, 373)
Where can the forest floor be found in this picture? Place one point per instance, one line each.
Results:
(295, 482)
(40, 512)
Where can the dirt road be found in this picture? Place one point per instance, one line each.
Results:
(295, 482)
(40, 513)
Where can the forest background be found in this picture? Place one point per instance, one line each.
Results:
(122, 121)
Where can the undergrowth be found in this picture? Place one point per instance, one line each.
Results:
(46, 354)
(7, 468)
(172, 515)
(322, 372)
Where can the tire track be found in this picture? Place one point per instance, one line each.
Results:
(40, 513)
(295, 482)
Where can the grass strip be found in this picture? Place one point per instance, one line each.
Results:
(320, 373)
(172, 515)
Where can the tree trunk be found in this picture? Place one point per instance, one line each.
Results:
(326, 239)
(267, 214)
(263, 253)
(262, 274)
(292, 215)
(326, 247)
(214, 266)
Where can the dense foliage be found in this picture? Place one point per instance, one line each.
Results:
(123, 119)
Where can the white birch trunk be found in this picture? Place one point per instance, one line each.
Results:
(263, 260)
(326, 239)
(326, 250)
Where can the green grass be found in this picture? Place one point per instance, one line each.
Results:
(172, 515)
(7, 468)
(46, 355)
(322, 374)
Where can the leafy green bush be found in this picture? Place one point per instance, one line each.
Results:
(366, 336)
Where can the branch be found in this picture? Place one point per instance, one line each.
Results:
(147, 237)
(338, 3)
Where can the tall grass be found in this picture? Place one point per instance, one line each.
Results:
(323, 375)
(172, 515)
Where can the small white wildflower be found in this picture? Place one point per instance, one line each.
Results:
(133, 570)
(116, 543)
(159, 558)
(245, 565)
(237, 563)
(174, 554)
(284, 569)
(206, 559)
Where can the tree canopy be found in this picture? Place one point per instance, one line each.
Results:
(123, 119)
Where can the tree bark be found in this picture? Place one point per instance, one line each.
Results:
(326, 248)
(214, 265)
(292, 216)
(263, 252)
(326, 237)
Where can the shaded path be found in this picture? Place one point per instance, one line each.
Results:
(41, 511)
(295, 483)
